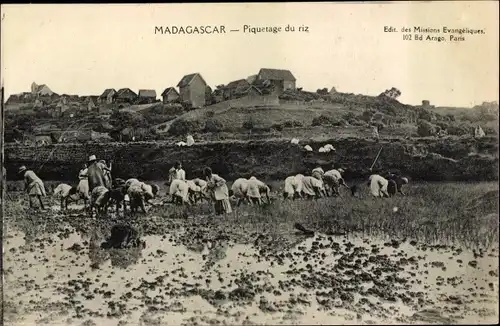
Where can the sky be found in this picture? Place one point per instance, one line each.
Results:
(85, 48)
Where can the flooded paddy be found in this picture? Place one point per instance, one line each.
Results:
(196, 269)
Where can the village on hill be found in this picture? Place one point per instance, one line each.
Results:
(128, 115)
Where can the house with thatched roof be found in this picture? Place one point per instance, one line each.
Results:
(282, 79)
(235, 88)
(170, 94)
(40, 90)
(125, 95)
(108, 96)
(192, 89)
(147, 95)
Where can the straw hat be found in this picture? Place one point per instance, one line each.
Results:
(405, 180)
(92, 158)
(22, 169)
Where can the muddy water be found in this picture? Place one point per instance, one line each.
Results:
(65, 278)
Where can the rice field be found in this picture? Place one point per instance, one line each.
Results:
(428, 257)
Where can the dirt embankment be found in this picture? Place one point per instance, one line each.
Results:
(420, 159)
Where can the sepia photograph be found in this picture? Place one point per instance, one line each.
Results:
(250, 163)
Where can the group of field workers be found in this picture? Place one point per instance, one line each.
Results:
(325, 184)
(99, 191)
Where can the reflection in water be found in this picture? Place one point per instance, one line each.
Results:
(67, 277)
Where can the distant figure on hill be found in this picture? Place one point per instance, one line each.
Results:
(190, 140)
(33, 186)
(375, 133)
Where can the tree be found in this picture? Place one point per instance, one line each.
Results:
(426, 129)
(366, 116)
(393, 93)
(323, 91)
(124, 119)
(209, 97)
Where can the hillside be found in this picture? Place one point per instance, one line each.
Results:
(293, 114)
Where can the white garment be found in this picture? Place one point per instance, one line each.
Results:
(334, 173)
(180, 189)
(190, 140)
(240, 188)
(255, 187)
(309, 183)
(295, 141)
(131, 182)
(329, 147)
(319, 170)
(193, 186)
(308, 148)
(179, 175)
(62, 190)
(293, 185)
(378, 185)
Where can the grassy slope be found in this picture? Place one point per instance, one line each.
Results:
(233, 118)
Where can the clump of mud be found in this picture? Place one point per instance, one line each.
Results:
(123, 236)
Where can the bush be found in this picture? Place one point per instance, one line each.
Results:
(212, 125)
(182, 127)
(366, 116)
(292, 124)
(278, 127)
(322, 120)
(426, 129)
(442, 125)
(458, 129)
(425, 115)
(248, 124)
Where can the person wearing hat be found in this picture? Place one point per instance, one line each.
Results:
(33, 186)
(95, 175)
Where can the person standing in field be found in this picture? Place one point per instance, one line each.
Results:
(176, 173)
(220, 193)
(83, 184)
(33, 186)
(95, 174)
(107, 173)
